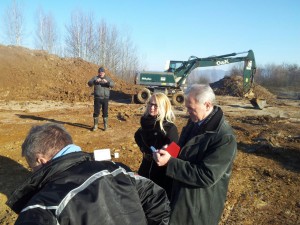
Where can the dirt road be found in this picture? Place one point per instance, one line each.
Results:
(264, 188)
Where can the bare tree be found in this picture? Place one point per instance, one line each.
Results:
(46, 32)
(14, 23)
(80, 39)
(101, 44)
(129, 61)
(113, 54)
(115, 51)
(89, 43)
(108, 46)
(74, 38)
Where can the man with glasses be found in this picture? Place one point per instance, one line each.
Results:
(202, 170)
(69, 187)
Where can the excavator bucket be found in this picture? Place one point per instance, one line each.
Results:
(258, 103)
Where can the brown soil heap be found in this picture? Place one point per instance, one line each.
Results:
(233, 86)
(36, 75)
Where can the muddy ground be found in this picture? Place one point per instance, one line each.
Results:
(37, 88)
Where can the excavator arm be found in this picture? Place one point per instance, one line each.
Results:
(248, 73)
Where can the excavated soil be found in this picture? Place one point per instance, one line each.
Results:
(37, 88)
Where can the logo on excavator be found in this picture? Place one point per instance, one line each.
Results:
(146, 78)
(222, 62)
(249, 65)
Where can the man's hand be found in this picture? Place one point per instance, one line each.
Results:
(102, 81)
(161, 157)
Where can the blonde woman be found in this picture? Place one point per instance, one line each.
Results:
(157, 129)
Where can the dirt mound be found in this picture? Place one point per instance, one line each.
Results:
(36, 75)
(233, 86)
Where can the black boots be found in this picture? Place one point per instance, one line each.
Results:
(105, 119)
(96, 120)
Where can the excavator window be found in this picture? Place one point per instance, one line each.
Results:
(174, 65)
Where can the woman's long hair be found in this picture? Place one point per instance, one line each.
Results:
(164, 107)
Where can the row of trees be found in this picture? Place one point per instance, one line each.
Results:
(285, 75)
(271, 75)
(84, 37)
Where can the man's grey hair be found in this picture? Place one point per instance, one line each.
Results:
(47, 140)
(202, 93)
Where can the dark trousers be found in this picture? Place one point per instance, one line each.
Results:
(103, 103)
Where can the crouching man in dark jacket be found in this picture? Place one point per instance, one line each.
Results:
(69, 187)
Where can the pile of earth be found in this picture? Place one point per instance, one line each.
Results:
(36, 75)
(233, 86)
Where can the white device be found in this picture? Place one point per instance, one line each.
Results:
(102, 154)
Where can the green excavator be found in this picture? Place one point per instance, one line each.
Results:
(172, 81)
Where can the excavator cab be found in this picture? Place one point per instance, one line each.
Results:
(173, 65)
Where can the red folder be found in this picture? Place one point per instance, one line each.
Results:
(173, 149)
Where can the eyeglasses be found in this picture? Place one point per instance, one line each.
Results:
(152, 104)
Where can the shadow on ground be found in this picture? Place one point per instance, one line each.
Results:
(121, 97)
(14, 174)
(39, 118)
(289, 158)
